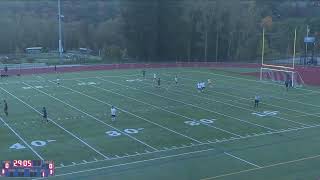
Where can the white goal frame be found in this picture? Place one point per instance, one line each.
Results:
(293, 75)
(287, 69)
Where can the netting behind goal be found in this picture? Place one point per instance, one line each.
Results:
(280, 76)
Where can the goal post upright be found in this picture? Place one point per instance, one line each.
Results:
(289, 68)
(262, 53)
(294, 47)
(294, 54)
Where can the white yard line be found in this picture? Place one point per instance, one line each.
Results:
(103, 102)
(67, 79)
(306, 115)
(198, 107)
(301, 112)
(125, 111)
(73, 135)
(305, 94)
(135, 155)
(250, 110)
(231, 155)
(275, 97)
(263, 167)
(203, 144)
(221, 102)
(232, 77)
(105, 76)
(131, 163)
(177, 114)
(34, 151)
(189, 153)
(93, 117)
(285, 99)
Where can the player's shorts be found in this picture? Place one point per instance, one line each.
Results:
(113, 116)
(256, 101)
(45, 116)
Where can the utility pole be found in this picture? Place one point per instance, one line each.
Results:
(60, 32)
(206, 46)
(306, 52)
(294, 47)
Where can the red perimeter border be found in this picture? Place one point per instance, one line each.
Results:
(310, 75)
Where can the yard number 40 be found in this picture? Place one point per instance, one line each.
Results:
(266, 113)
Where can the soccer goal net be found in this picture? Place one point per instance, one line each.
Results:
(280, 76)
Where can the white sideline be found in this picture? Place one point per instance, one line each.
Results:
(130, 163)
(161, 107)
(67, 79)
(263, 167)
(183, 154)
(242, 159)
(34, 151)
(28, 105)
(200, 108)
(135, 155)
(93, 117)
(305, 115)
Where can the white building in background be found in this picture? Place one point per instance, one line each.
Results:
(34, 50)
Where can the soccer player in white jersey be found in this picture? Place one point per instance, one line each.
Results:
(58, 80)
(176, 79)
(199, 87)
(113, 113)
(154, 77)
(210, 83)
(203, 86)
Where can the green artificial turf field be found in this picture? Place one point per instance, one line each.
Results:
(171, 132)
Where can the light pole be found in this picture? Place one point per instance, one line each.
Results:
(306, 52)
(60, 32)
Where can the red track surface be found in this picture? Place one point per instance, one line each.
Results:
(310, 75)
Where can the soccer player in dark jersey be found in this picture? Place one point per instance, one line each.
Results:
(6, 69)
(5, 109)
(256, 101)
(287, 84)
(158, 82)
(176, 79)
(44, 114)
(58, 80)
(144, 73)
